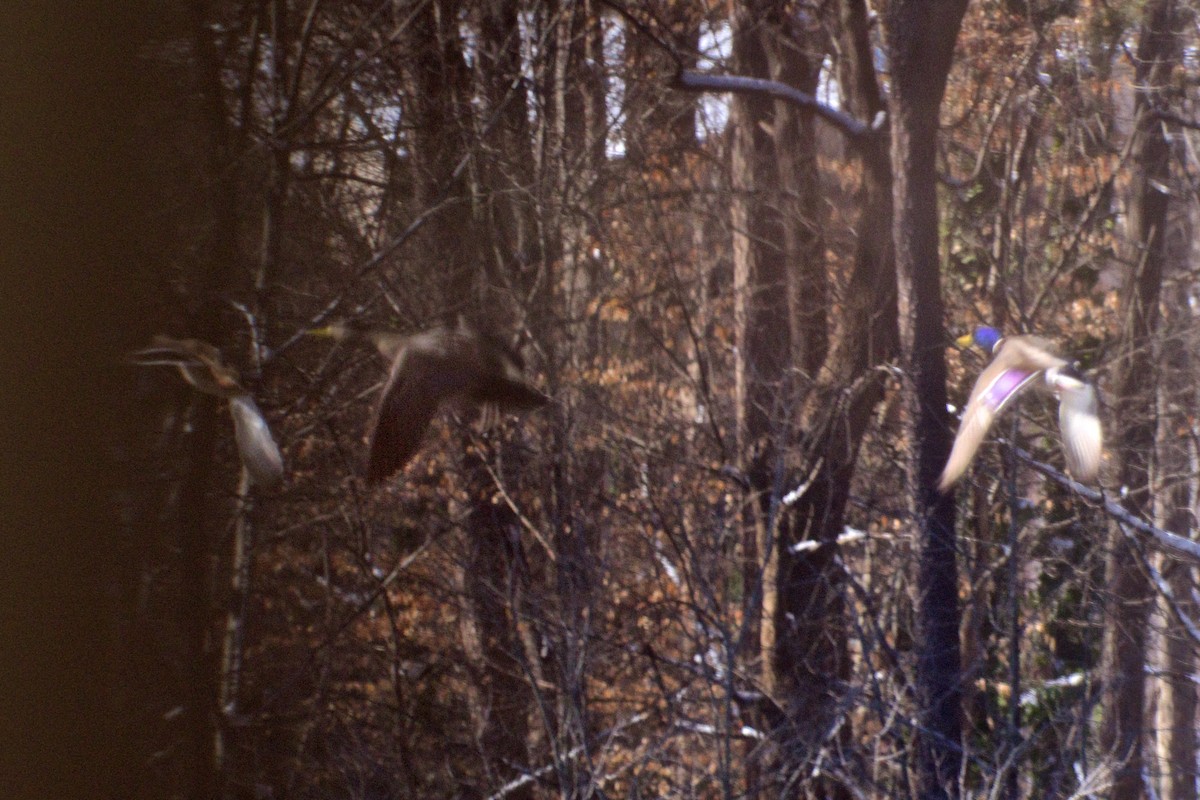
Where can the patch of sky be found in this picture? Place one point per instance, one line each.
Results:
(614, 103)
(716, 48)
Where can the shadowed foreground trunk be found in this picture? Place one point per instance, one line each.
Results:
(920, 38)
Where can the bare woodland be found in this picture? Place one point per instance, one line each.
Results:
(715, 564)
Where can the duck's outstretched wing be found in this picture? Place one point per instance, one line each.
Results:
(198, 362)
(1079, 422)
(430, 369)
(256, 446)
(995, 389)
(425, 373)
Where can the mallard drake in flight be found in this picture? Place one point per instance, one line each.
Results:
(1019, 361)
(437, 366)
(201, 366)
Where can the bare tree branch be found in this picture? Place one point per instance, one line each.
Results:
(856, 130)
(1176, 119)
(1170, 542)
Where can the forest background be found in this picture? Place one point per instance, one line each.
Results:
(714, 566)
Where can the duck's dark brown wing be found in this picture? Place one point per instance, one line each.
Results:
(431, 368)
(422, 376)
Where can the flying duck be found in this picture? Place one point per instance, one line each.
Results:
(1018, 362)
(442, 365)
(201, 366)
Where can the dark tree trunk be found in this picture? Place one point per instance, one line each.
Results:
(494, 578)
(811, 658)
(216, 259)
(436, 105)
(920, 38)
(512, 250)
(1177, 701)
(760, 258)
(1123, 660)
(196, 606)
(476, 236)
(769, 267)
(818, 378)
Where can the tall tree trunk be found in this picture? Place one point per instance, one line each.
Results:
(761, 314)
(811, 652)
(512, 253)
(831, 389)
(920, 38)
(1123, 660)
(796, 374)
(1177, 702)
(572, 157)
(759, 308)
(493, 575)
(435, 102)
(216, 261)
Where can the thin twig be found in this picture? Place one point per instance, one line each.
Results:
(524, 520)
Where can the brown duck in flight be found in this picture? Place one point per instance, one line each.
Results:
(1018, 362)
(201, 366)
(428, 369)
